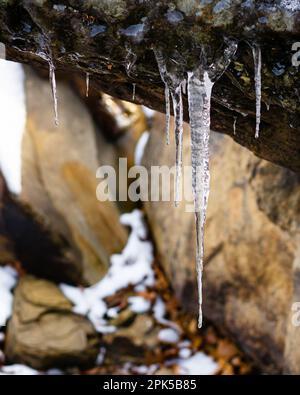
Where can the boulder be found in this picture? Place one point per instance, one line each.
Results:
(59, 178)
(43, 332)
(251, 254)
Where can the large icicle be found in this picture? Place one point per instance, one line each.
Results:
(256, 51)
(199, 97)
(200, 83)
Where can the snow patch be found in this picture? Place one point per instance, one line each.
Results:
(18, 370)
(133, 266)
(8, 278)
(149, 113)
(140, 148)
(12, 121)
(197, 364)
(139, 304)
(168, 335)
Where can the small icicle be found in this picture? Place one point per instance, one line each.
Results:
(234, 125)
(168, 116)
(173, 85)
(184, 83)
(46, 55)
(53, 89)
(256, 50)
(163, 75)
(199, 98)
(87, 83)
(130, 60)
(178, 114)
(133, 91)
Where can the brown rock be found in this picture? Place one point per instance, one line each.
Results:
(251, 233)
(59, 177)
(43, 332)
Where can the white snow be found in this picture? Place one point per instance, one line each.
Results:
(197, 364)
(133, 266)
(19, 370)
(168, 335)
(159, 312)
(8, 278)
(149, 113)
(185, 353)
(138, 304)
(140, 148)
(12, 122)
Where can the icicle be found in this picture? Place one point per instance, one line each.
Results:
(184, 86)
(53, 89)
(133, 91)
(130, 60)
(178, 115)
(87, 83)
(199, 98)
(163, 75)
(48, 58)
(234, 125)
(173, 85)
(256, 50)
(168, 116)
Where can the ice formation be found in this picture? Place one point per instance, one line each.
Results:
(46, 55)
(199, 87)
(173, 84)
(199, 96)
(87, 84)
(256, 50)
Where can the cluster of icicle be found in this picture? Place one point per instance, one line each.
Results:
(199, 83)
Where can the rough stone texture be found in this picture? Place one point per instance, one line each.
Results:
(43, 332)
(59, 177)
(251, 271)
(96, 37)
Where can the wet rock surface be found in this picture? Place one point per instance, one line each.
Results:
(113, 42)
